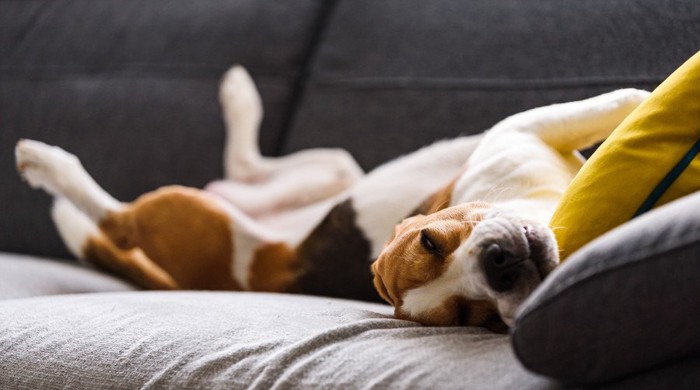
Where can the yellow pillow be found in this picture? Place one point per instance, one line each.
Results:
(649, 160)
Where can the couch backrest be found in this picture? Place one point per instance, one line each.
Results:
(397, 75)
(130, 85)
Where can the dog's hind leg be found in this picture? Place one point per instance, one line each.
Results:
(269, 184)
(80, 204)
(195, 238)
(87, 243)
(242, 113)
(576, 125)
(62, 175)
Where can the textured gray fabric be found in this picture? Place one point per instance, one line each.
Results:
(27, 276)
(624, 303)
(400, 74)
(130, 86)
(239, 340)
(677, 374)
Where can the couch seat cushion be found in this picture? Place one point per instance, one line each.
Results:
(27, 276)
(235, 340)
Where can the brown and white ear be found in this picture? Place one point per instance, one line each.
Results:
(440, 199)
(398, 228)
(379, 283)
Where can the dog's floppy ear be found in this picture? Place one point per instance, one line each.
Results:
(379, 283)
(441, 199)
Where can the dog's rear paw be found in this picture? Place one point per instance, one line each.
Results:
(42, 165)
(238, 92)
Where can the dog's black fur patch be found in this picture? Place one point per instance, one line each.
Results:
(335, 258)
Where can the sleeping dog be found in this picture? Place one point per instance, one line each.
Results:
(458, 230)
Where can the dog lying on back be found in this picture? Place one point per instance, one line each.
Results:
(458, 231)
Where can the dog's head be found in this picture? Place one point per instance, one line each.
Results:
(471, 264)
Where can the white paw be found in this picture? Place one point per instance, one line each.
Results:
(43, 166)
(238, 92)
(633, 96)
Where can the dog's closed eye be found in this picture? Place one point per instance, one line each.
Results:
(429, 244)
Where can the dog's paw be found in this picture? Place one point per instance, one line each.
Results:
(632, 96)
(238, 92)
(42, 165)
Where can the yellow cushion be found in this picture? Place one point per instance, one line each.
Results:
(649, 160)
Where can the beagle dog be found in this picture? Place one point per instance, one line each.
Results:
(478, 247)
(456, 233)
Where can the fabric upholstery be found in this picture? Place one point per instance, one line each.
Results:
(651, 158)
(241, 340)
(398, 75)
(27, 276)
(130, 86)
(624, 303)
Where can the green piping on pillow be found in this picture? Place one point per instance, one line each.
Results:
(668, 180)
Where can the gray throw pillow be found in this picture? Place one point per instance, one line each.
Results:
(627, 302)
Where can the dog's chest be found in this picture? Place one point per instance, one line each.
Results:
(526, 177)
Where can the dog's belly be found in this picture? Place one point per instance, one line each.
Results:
(295, 225)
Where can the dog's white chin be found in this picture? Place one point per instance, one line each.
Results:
(508, 310)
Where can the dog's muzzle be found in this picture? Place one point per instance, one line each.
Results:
(513, 256)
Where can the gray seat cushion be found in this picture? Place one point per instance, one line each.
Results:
(625, 303)
(238, 340)
(27, 276)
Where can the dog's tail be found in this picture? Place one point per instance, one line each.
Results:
(74, 227)
(86, 241)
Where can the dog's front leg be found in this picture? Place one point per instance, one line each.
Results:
(576, 125)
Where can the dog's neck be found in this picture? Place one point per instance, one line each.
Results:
(524, 175)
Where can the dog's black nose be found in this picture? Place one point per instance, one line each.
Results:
(502, 268)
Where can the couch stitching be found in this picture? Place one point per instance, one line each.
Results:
(304, 73)
(389, 83)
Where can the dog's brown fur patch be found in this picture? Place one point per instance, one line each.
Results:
(131, 264)
(184, 231)
(275, 268)
(456, 311)
(438, 201)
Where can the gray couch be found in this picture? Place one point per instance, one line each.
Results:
(130, 86)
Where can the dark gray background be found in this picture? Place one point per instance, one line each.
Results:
(130, 86)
